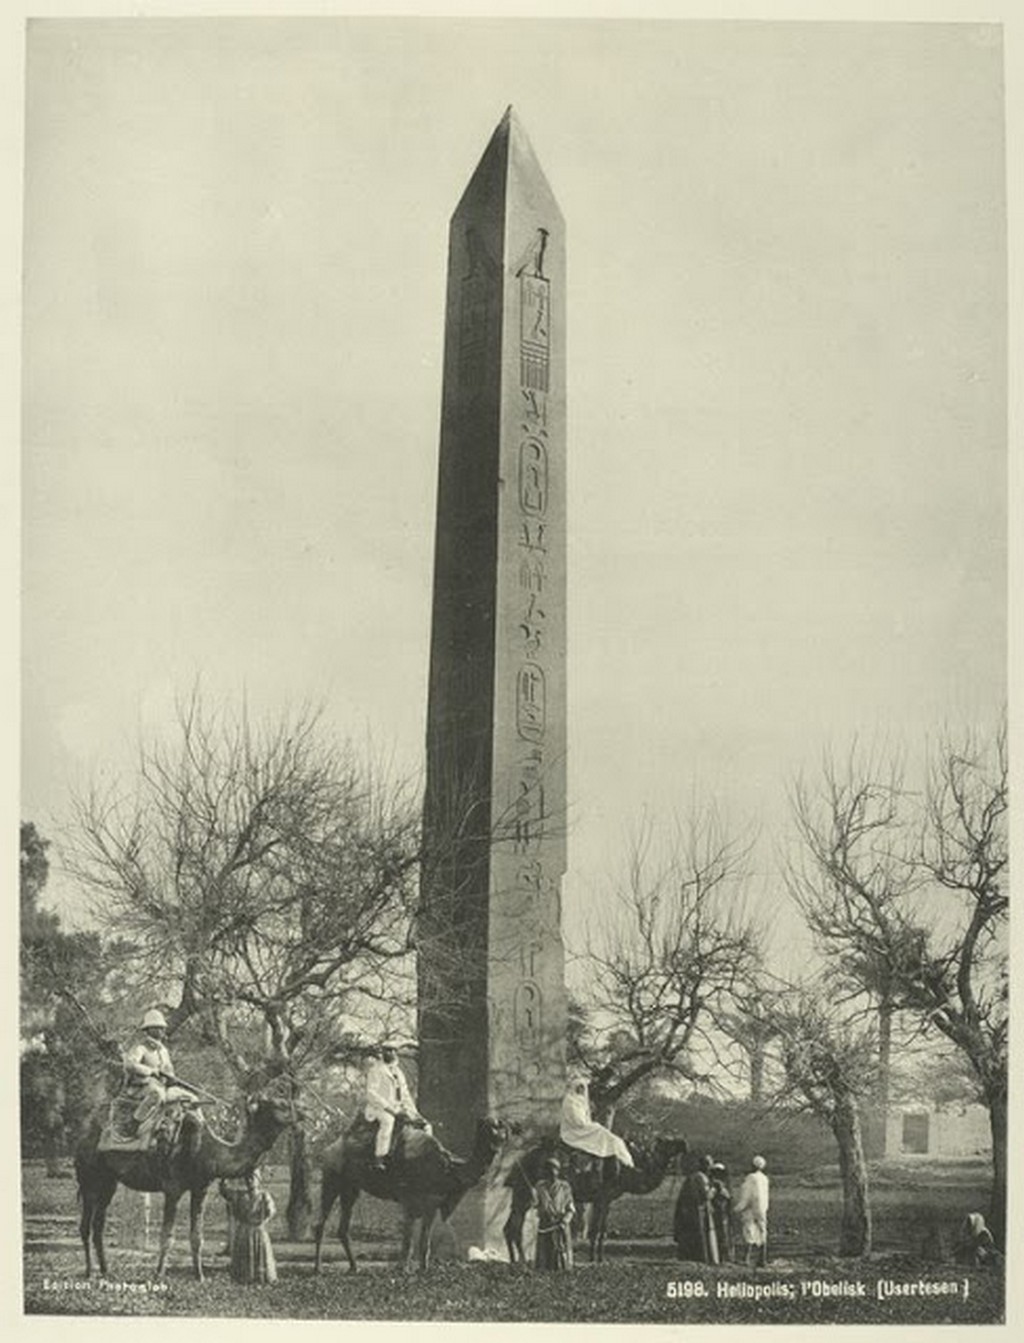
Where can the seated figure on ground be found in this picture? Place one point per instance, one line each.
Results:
(975, 1245)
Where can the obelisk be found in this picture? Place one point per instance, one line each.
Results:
(492, 1005)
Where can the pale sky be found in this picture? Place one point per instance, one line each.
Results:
(787, 366)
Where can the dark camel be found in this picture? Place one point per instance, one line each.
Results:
(595, 1181)
(198, 1158)
(422, 1177)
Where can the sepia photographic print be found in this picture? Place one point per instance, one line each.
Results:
(513, 670)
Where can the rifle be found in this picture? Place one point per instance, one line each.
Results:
(173, 1081)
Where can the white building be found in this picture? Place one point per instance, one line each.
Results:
(960, 1128)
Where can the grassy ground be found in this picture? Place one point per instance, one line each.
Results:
(640, 1282)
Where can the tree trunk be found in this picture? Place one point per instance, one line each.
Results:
(997, 1106)
(757, 1053)
(53, 1108)
(51, 1152)
(300, 1204)
(884, 1056)
(602, 1110)
(855, 1233)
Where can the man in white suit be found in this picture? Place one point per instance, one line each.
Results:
(387, 1097)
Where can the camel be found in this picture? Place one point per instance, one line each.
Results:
(422, 1177)
(198, 1158)
(595, 1181)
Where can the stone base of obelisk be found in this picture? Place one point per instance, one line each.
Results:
(476, 1229)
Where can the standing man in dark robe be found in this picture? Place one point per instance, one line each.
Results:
(693, 1223)
(721, 1211)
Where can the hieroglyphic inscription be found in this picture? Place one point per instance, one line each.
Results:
(533, 477)
(529, 882)
(533, 634)
(529, 953)
(534, 316)
(535, 332)
(526, 1012)
(533, 535)
(528, 805)
(531, 702)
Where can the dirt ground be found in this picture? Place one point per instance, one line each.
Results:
(642, 1280)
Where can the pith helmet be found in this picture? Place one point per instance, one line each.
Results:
(154, 1017)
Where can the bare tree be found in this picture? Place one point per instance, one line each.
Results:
(261, 872)
(852, 881)
(909, 897)
(956, 974)
(676, 947)
(828, 1061)
(749, 1023)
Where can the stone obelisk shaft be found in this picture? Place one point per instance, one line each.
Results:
(492, 1009)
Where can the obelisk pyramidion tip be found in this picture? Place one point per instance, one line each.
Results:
(510, 121)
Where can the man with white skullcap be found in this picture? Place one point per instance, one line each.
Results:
(752, 1207)
(387, 1098)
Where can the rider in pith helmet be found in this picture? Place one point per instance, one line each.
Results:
(150, 1073)
(149, 1059)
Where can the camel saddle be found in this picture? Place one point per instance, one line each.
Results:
(577, 1162)
(363, 1132)
(123, 1133)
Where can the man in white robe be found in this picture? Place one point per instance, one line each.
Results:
(752, 1208)
(577, 1129)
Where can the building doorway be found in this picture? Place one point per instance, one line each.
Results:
(915, 1134)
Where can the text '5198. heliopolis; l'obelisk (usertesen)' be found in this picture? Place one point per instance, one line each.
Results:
(492, 1008)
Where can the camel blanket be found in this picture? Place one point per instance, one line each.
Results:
(123, 1133)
